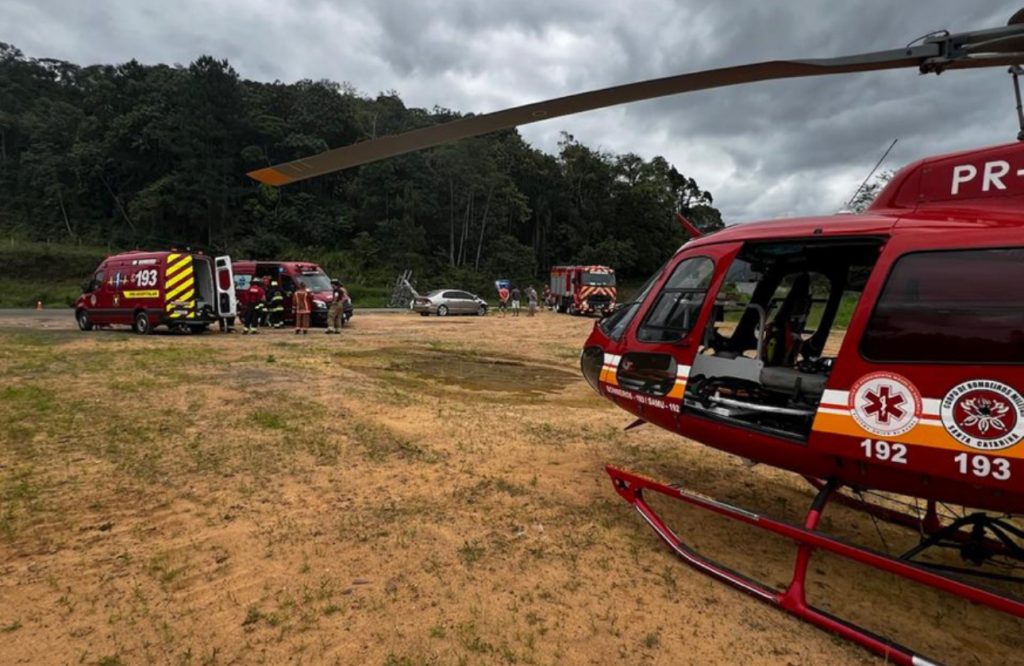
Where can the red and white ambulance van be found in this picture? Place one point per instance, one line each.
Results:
(180, 290)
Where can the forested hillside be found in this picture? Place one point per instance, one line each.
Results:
(134, 155)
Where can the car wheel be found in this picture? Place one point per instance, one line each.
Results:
(442, 310)
(481, 311)
(142, 326)
(82, 317)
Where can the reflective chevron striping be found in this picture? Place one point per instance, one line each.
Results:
(173, 268)
(180, 289)
(180, 286)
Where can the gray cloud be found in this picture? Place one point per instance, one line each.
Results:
(765, 150)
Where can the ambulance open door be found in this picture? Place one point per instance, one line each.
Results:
(226, 300)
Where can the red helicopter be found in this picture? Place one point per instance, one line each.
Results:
(734, 343)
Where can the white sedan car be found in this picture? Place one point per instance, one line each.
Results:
(444, 302)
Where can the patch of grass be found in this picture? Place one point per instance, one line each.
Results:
(20, 494)
(267, 419)
(652, 640)
(109, 660)
(380, 443)
(489, 487)
(470, 552)
(8, 628)
(168, 568)
(394, 660)
(471, 640)
(28, 398)
(252, 616)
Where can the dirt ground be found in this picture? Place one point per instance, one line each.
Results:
(413, 491)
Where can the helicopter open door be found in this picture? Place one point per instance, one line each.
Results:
(773, 332)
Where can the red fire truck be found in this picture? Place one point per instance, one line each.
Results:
(583, 289)
(181, 290)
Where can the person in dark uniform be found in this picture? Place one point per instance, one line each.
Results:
(275, 304)
(256, 300)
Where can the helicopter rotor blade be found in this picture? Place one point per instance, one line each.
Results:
(935, 53)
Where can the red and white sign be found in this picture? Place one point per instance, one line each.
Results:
(885, 403)
(984, 414)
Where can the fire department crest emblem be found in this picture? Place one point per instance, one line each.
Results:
(885, 403)
(984, 414)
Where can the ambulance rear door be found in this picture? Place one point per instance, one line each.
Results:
(227, 304)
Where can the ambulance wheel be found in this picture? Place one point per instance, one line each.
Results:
(82, 317)
(142, 325)
(442, 310)
(481, 311)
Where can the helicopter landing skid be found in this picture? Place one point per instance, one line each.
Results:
(793, 599)
(978, 536)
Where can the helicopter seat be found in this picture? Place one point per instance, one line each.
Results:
(787, 328)
(794, 382)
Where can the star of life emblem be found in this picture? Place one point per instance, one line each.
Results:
(885, 403)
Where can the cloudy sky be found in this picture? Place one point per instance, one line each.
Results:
(765, 150)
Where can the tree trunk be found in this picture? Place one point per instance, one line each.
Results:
(451, 221)
(483, 227)
(120, 206)
(465, 230)
(64, 212)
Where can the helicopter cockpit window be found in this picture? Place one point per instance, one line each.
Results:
(963, 306)
(615, 324)
(678, 306)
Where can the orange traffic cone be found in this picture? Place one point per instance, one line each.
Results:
(39, 305)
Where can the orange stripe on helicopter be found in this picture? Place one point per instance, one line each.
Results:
(928, 432)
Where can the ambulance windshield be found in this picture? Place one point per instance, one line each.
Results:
(599, 279)
(317, 281)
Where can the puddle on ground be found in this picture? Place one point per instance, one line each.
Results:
(469, 371)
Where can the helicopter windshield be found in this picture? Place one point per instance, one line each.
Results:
(616, 324)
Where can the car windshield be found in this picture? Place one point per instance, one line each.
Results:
(604, 279)
(317, 281)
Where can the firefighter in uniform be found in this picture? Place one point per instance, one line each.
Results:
(336, 311)
(302, 306)
(275, 304)
(256, 300)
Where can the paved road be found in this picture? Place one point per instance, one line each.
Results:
(64, 317)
